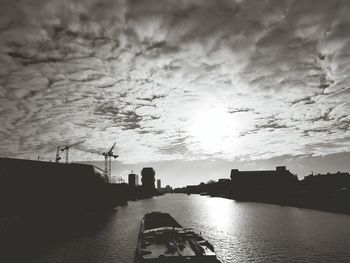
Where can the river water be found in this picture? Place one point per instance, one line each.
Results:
(239, 231)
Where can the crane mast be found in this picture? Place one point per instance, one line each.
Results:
(106, 167)
(110, 168)
(58, 158)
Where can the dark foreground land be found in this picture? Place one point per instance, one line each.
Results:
(45, 202)
(38, 188)
(44, 188)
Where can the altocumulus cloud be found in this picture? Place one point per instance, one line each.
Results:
(172, 80)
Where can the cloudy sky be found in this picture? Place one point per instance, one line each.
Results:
(245, 83)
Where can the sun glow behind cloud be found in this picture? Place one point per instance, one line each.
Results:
(211, 127)
(175, 79)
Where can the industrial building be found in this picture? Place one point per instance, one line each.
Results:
(262, 174)
(264, 184)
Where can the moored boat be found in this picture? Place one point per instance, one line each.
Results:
(162, 239)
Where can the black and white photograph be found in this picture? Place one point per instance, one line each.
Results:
(174, 131)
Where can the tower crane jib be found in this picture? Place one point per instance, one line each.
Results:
(108, 159)
(67, 147)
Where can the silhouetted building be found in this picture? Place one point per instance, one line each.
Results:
(330, 192)
(328, 181)
(263, 174)
(36, 187)
(147, 178)
(133, 180)
(269, 185)
(159, 184)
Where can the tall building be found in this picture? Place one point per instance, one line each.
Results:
(147, 177)
(133, 179)
(159, 184)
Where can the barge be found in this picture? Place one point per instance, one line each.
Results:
(162, 239)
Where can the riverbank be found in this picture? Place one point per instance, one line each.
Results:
(323, 197)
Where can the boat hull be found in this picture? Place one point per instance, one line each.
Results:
(162, 239)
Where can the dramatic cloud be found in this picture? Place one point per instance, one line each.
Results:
(171, 80)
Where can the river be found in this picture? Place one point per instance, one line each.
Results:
(239, 231)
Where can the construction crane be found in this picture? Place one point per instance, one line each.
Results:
(108, 159)
(58, 158)
(67, 147)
